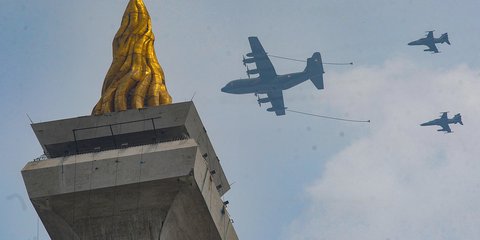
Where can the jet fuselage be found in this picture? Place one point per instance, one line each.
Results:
(426, 41)
(439, 122)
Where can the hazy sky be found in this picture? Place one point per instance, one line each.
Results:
(295, 177)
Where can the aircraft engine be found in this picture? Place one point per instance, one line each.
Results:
(275, 109)
(252, 71)
(248, 60)
(263, 100)
(258, 55)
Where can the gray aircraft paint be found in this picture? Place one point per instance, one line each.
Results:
(444, 121)
(268, 82)
(430, 41)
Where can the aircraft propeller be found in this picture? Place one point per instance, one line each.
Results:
(244, 63)
(248, 71)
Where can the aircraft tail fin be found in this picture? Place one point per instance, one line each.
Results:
(457, 119)
(315, 71)
(444, 38)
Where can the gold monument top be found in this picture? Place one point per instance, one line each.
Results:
(135, 78)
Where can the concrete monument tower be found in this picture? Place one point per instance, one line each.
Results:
(139, 168)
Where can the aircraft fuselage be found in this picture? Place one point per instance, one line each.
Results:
(438, 122)
(425, 41)
(262, 86)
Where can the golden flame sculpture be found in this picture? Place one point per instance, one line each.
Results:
(135, 78)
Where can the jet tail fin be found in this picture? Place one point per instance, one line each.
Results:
(315, 71)
(457, 119)
(444, 38)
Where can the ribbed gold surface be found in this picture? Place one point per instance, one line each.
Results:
(135, 78)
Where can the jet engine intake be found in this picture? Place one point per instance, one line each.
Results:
(258, 55)
(252, 71)
(263, 100)
(275, 109)
(248, 60)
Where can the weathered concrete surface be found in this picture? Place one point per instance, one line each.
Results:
(157, 191)
(145, 174)
(129, 128)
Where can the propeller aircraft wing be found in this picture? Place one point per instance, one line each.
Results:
(276, 99)
(264, 65)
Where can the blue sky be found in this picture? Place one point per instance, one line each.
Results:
(295, 177)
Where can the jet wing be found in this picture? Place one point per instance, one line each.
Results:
(264, 65)
(444, 116)
(276, 99)
(444, 123)
(430, 34)
(432, 47)
(445, 128)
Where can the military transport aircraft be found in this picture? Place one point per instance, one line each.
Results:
(268, 82)
(443, 122)
(430, 41)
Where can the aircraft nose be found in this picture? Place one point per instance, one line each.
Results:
(224, 89)
(414, 43)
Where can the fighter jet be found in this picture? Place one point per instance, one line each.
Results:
(443, 122)
(268, 82)
(430, 41)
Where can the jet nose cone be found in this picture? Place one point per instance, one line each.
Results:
(410, 43)
(224, 89)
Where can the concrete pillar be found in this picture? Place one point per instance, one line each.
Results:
(138, 174)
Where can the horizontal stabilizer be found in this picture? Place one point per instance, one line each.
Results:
(457, 119)
(318, 81)
(444, 38)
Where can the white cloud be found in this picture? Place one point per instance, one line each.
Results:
(401, 181)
